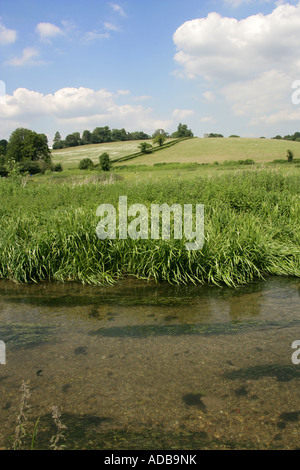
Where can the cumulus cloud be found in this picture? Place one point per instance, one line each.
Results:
(227, 48)
(252, 62)
(48, 31)
(77, 109)
(7, 36)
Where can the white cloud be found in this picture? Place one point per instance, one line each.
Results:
(182, 113)
(91, 36)
(28, 57)
(251, 62)
(111, 27)
(48, 31)
(7, 36)
(224, 48)
(208, 119)
(118, 9)
(75, 109)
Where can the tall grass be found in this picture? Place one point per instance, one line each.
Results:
(48, 231)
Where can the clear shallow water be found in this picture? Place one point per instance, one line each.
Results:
(141, 366)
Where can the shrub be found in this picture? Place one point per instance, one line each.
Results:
(86, 164)
(58, 167)
(105, 162)
(33, 168)
(290, 156)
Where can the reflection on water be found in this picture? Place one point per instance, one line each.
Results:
(145, 366)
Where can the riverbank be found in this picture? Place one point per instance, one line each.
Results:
(48, 227)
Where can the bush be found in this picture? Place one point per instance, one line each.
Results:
(58, 167)
(290, 156)
(33, 168)
(86, 164)
(105, 162)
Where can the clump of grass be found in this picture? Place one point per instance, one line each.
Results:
(251, 230)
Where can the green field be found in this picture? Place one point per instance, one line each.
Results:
(197, 150)
(70, 157)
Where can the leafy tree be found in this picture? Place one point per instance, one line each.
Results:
(25, 144)
(101, 135)
(138, 135)
(182, 131)
(159, 139)
(73, 140)
(58, 143)
(86, 164)
(86, 137)
(145, 147)
(119, 134)
(105, 162)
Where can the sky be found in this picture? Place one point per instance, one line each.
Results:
(222, 66)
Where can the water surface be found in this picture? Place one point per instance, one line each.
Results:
(141, 366)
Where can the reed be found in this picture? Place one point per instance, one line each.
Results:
(48, 231)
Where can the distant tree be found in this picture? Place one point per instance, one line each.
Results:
(101, 135)
(145, 147)
(277, 137)
(215, 136)
(58, 143)
(290, 156)
(159, 139)
(118, 134)
(234, 136)
(25, 144)
(3, 146)
(138, 135)
(160, 132)
(86, 137)
(182, 131)
(105, 162)
(73, 140)
(86, 164)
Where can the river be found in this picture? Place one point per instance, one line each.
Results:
(145, 366)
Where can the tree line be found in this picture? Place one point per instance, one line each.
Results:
(294, 137)
(104, 134)
(29, 151)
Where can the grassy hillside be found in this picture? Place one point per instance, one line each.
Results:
(211, 150)
(70, 157)
(197, 150)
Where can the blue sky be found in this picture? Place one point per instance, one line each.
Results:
(223, 66)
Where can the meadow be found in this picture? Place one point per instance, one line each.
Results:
(196, 150)
(48, 223)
